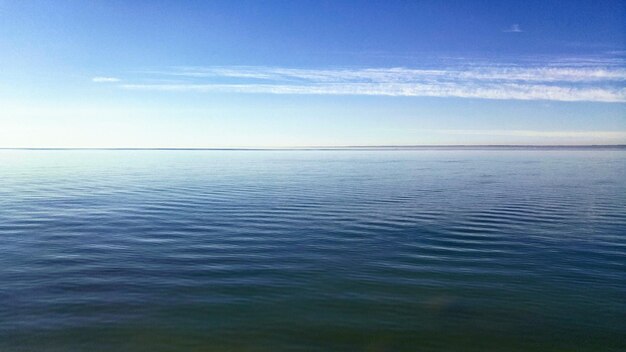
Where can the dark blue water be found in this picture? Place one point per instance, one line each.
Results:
(419, 250)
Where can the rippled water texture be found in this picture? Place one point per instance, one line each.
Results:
(448, 250)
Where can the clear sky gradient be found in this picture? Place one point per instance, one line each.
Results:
(311, 73)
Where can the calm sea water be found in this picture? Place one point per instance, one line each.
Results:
(419, 250)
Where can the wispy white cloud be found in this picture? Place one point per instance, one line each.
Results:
(405, 75)
(105, 79)
(515, 28)
(496, 91)
(595, 80)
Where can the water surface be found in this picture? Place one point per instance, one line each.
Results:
(408, 250)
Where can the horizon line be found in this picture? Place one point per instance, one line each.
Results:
(349, 147)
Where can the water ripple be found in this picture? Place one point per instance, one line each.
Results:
(345, 250)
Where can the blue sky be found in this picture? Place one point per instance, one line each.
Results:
(311, 73)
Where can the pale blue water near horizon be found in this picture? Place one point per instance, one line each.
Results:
(350, 250)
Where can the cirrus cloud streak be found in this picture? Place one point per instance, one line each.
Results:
(593, 81)
(495, 91)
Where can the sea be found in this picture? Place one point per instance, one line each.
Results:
(356, 249)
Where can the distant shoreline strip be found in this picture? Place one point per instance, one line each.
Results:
(377, 147)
